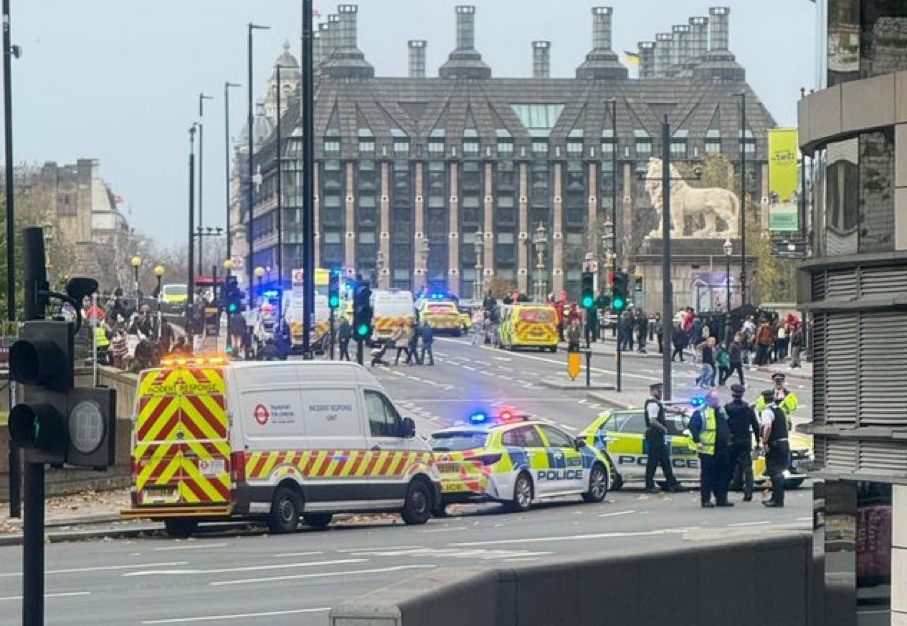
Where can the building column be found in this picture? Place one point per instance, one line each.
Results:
(316, 220)
(349, 241)
(626, 218)
(488, 228)
(384, 234)
(419, 278)
(556, 258)
(524, 242)
(453, 242)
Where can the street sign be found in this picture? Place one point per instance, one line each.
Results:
(590, 266)
(238, 262)
(298, 277)
(573, 364)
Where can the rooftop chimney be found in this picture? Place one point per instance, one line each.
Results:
(699, 36)
(348, 61)
(332, 36)
(541, 59)
(719, 36)
(681, 34)
(417, 58)
(318, 44)
(646, 59)
(664, 51)
(602, 62)
(465, 61)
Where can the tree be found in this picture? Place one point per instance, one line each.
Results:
(499, 287)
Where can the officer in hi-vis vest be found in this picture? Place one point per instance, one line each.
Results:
(712, 436)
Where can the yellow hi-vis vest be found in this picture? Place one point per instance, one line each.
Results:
(709, 431)
(100, 337)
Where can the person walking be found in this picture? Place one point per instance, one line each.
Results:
(428, 338)
(401, 341)
(344, 334)
(775, 445)
(659, 333)
(723, 362)
(764, 340)
(642, 331)
(744, 427)
(735, 360)
(781, 342)
(656, 429)
(678, 341)
(478, 326)
(706, 376)
(413, 356)
(796, 345)
(710, 431)
(573, 336)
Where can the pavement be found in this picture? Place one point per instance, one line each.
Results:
(100, 570)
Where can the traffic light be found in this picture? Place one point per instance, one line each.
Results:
(56, 423)
(233, 296)
(362, 312)
(619, 292)
(334, 290)
(603, 302)
(588, 296)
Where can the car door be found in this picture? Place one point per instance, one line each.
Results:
(388, 451)
(627, 446)
(684, 457)
(528, 440)
(568, 476)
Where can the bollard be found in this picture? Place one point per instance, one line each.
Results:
(588, 368)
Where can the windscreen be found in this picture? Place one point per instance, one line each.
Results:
(175, 290)
(537, 316)
(457, 441)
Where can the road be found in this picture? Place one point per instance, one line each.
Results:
(249, 577)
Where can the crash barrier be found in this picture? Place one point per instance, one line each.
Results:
(750, 580)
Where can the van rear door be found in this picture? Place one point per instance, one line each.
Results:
(181, 447)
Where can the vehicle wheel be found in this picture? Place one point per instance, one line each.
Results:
(440, 510)
(522, 493)
(617, 482)
(793, 483)
(285, 508)
(598, 484)
(418, 506)
(553, 349)
(317, 520)
(180, 527)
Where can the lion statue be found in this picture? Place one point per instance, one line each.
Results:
(710, 204)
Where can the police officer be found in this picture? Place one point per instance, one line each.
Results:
(776, 446)
(712, 436)
(742, 422)
(656, 429)
(784, 398)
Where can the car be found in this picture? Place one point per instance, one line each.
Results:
(513, 459)
(620, 435)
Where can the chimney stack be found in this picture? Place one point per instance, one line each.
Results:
(719, 35)
(465, 61)
(699, 36)
(601, 28)
(646, 59)
(348, 61)
(333, 36)
(664, 52)
(417, 58)
(602, 62)
(318, 44)
(681, 34)
(541, 59)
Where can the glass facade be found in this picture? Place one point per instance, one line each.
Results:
(865, 38)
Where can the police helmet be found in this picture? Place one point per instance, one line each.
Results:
(738, 390)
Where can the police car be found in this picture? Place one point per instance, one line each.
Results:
(511, 459)
(621, 436)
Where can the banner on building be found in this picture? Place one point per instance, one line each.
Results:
(783, 213)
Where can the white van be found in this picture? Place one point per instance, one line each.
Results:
(281, 441)
(390, 307)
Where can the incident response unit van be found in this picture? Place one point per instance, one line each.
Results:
(279, 441)
(390, 307)
(529, 325)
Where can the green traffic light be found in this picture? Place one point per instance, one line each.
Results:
(587, 302)
(362, 330)
(334, 301)
(619, 304)
(232, 307)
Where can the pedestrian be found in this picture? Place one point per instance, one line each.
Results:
(678, 341)
(119, 348)
(378, 355)
(495, 319)
(764, 340)
(744, 427)
(781, 341)
(182, 347)
(775, 445)
(710, 431)
(413, 356)
(428, 338)
(626, 332)
(796, 345)
(706, 377)
(573, 336)
(659, 333)
(735, 359)
(478, 326)
(401, 342)
(656, 429)
(344, 334)
(723, 362)
(642, 331)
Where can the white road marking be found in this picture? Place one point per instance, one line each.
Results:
(195, 546)
(382, 570)
(217, 618)
(291, 554)
(478, 362)
(647, 533)
(102, 568)
(371, 549)
(502, 358)
(468, 367)
(583, 400)
(68, 594)
(616, 513)
(595, 406)
(741, 524)
(505, 377)
(445, 529)
(805, 519)
(248, 568)
(457, 553)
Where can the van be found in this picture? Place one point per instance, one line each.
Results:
(443, 315)
(390, 307)
(174, 297)
(529, 325)
(278, 441)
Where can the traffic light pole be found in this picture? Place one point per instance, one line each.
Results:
(331, 328)
(359, 351)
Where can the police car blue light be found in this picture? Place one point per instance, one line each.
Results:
(478, 418)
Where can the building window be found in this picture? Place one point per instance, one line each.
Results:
(713, 142)
(367, 145)
(575, 148)
(471, 146)
(505, 147)
(401, 147)
(749, 142)
(538, 116)
(367, 237)
(679, 144)
(540, 147)
(331, 145)
(436, 147)
(643, 144)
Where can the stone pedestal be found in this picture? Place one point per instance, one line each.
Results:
(698, 274)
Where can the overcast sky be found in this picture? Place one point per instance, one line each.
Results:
(118, 80)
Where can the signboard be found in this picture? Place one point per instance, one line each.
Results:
(573, 364)
(238, 262)
(782, 179)
(212, 321)
(783, 218)
(298, 277)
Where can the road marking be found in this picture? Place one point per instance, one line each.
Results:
(68, 594)
(583, 400)
(805, 519)
(102, 568)
(201, 546)
(248, 568)
(502, 358)
(371, 549)
(468, 367)
(595, 406)
(741, 524)
(505, 377)
(647, 533)
(478, 362)
(616, 513)
(289, 554)
(214, 618)
(382, 570)
(443, 530)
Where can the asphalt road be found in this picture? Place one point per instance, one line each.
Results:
(250, 577)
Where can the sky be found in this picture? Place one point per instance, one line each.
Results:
(119, 80)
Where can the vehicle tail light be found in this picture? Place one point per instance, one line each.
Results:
(486, 459)
(238, 467)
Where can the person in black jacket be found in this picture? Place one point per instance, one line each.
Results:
(679, 339)
(744, 426)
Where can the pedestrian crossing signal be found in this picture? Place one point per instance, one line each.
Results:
(619, 292)
(334, 290)
(362, 330)
(588, 292)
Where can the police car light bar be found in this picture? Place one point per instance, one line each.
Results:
(505, 416)
(174, 361)
(694, 401)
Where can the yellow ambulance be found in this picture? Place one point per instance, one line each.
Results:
(530, 326)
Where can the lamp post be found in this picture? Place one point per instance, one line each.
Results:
(190, 282)
(227, 86)
(201, 169)
(277, 69)
(478, 283)
(379, 268)
(159, 274)
(228, 267)
(136, 264)
(728, 249)
(424, 251)
(251, 162)
(742, 96)
(610, 255)
(541, 247)
(259, 274)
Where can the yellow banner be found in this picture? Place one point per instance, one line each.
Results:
(782, 165)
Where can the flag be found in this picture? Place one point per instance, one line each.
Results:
(119, 199)
(632, 57)
(316, 13)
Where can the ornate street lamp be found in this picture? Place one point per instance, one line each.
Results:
(424, 251)
(136, 264)
(541, 247)
(477, 285)
(228, 267)
(259, 274)
(728, 250)
(159, 274)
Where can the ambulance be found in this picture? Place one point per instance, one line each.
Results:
(275, 441)
(529, 326)
(390, 307)
(443, 315)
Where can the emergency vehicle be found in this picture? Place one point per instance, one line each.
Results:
(174, 297)
(390, 307)
(529, 326)
(621, 436)
(277, 441)
(443, 315)
(512, 459)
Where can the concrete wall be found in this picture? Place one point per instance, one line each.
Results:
(704, 582)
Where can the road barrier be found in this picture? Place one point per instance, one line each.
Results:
(702, 582)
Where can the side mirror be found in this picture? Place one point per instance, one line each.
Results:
(408, 429)
(580, 443)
